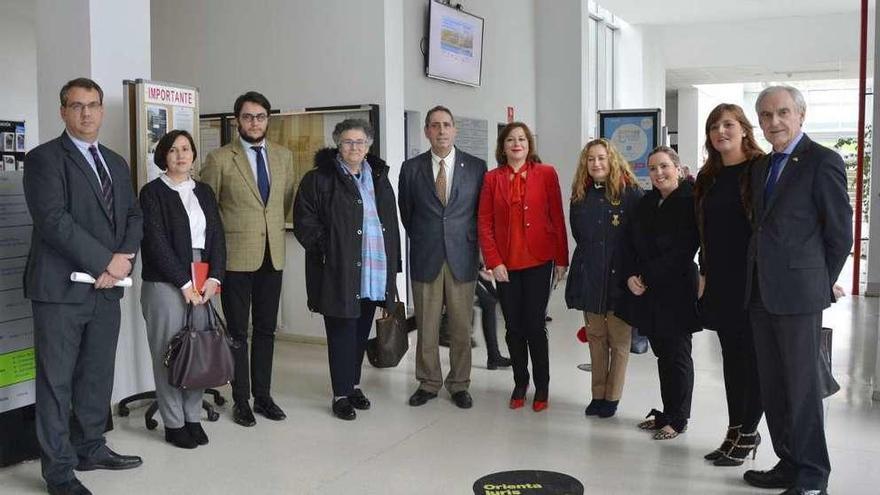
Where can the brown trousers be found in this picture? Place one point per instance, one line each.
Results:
(609, 338)
(429, 299)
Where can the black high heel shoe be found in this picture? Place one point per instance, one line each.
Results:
(745, 444)
(726, 445)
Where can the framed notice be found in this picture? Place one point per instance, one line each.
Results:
(155, 108)
(634, 133)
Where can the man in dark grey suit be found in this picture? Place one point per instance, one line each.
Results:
(438, 193)
(85, 219)
(802, 233)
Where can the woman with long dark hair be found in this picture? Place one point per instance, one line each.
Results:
(722, 201)
(523, 239)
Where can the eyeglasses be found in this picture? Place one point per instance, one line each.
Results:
(249, 117)
(360, 143)
(78, 107)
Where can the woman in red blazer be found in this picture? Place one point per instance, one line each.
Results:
(524, 242)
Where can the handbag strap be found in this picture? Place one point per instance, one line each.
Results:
(220, 324)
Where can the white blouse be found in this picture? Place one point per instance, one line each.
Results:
(197, 223)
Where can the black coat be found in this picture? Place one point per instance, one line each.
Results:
(327, 221)
(597, 225)
(660, 244)
(167, 244)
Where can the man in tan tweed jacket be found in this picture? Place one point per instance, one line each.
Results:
(253, 180)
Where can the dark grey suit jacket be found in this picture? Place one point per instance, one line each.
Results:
(72, 230)
(802, 236)
(437, 233)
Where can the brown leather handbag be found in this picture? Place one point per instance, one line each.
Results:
(391, 341)
(199, 358)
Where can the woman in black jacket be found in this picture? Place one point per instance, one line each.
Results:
(603, 198)
(181, 225)
(722, 199)
(345, 216)
(658, 269)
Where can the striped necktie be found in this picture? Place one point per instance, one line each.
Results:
(106, 184)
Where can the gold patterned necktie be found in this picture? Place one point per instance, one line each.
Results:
(440, 183)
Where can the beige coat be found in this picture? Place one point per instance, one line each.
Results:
(246, 220)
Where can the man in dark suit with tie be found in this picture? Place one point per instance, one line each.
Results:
(85, 219)
(438, 195)
(802, 233)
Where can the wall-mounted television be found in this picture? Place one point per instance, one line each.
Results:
(455, 45)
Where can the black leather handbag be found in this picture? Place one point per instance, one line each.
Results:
(391, 341)
(199, 358)
(639, 343)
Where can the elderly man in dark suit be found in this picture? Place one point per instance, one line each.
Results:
(802, 233)
(439, 191)
(86, 219)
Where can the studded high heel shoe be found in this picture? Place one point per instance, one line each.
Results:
(729, 440)
(745, 444)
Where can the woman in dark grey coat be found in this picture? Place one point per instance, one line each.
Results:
(345, 216)
(658, 267)
(603, 198)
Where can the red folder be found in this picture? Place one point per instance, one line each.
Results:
(200, 270)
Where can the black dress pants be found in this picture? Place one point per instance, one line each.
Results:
(487, 300)
(741, 377)
(75, 348)
(676, 370)
(787, 350)
(259, 291)
(524, 304)
(346, 345)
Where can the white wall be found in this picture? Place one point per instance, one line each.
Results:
(561, 65)
(784, 44)
(688, 128)
(18, 76)
(299, 54)
(508, 76)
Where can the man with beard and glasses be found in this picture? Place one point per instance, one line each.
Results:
(254, 181)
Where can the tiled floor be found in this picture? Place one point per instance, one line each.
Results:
(438, 449)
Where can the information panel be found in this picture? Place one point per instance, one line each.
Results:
(634, 133)
(17, 367)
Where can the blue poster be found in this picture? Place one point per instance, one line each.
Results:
(634, 136)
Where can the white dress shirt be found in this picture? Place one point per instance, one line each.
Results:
(252, 157)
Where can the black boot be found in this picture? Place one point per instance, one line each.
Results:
(729, 439)
(180, 437)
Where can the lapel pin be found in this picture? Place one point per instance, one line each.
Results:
(794, 159)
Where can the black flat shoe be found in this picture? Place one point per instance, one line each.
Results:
(111, 461)
(268, 408)
(498, 362)
(243, 415)
(180, 437)
(594, 407)
(342, 409)
(773, 478)
(463, 399)
(729, 439)
(358, 400)
(608, 409)
(420, 397)
(197, 433)
(72, 487)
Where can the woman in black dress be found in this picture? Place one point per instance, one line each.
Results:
(722, 198)
(657, 263)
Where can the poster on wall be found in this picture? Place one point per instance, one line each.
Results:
(473, 137)
(155, 108)
(634, 133)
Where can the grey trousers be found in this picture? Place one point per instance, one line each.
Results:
(75, 352)
(165, 314)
